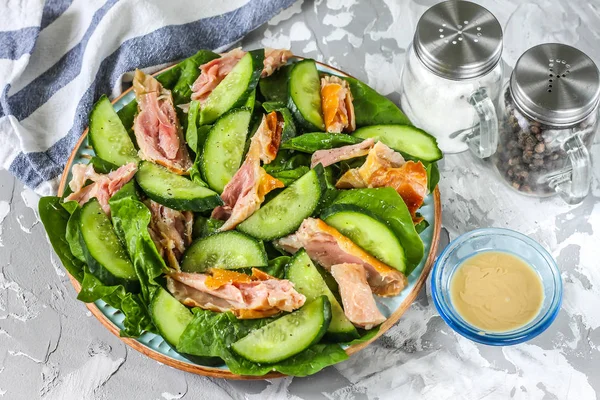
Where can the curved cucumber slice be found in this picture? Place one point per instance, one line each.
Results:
(108, 136)
(174, 191)
(287, 210)
(104, 254)
(304, 98)
(288, 335)
(367, 231)
(224, 148)
(234, 90)
(307, 280)
(388, 206)
(406, 139)
(226, 250)
(169, 316)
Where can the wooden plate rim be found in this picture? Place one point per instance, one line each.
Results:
(219, 373)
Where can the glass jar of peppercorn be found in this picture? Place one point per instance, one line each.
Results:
(547, 120)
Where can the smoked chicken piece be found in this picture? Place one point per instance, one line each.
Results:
(386, 168)
(156, 127)
(336, 100)
(274, 59)
(359, 304)
(246, 191)
(103, 186)
(213, 72)
(332, 156)
(248, 297)
(328, 247)
(171, 231)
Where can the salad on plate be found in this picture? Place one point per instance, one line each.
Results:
(247, 207)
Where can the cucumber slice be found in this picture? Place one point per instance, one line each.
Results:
(288, 335)
(307, 280)
(287, 210)
(234, 90)
(387, 204)
(169, 316)
(108, 136)
(367, 231)
(226, 250)
(224, 148)
(304, 98)
(104, 254)
(406, 139)
(174, 191)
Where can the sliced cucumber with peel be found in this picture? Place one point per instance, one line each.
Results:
(108, 136)
(169, 316)
(368, 231)
(307, 280)
(286, 211)
(106, 257)
(388, 206)
(224, 148)
(174, 191)
(235, 89)
(226, 250)
(288, 335)
(406, 139)
(304, 98)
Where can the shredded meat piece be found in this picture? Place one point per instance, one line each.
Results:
(213, 72)
(246, 191)
(103, 187)
(328, 247)
(332, 156)
(336, 100)
(386, 168)
(156, 127)
(359, 304)
(171, 231)
(256, 296)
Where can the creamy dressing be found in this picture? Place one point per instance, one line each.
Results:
(496, 291)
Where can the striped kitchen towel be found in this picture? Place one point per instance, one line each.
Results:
(58, 56)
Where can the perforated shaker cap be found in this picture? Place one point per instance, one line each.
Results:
(555, 84)
(458, 40)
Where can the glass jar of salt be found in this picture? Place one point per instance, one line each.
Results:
(547, 119)
(453, 77)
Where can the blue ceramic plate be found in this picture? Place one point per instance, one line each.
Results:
(154, 345)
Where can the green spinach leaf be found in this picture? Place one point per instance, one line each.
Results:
(371, 108)
(101, 166)
(131, 218)
(205, 226)
(137, 318)
(55, 219)
(433, 176)
(291, 175)
(275, 87)
(277, 266)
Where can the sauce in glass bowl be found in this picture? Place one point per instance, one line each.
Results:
(496, 291)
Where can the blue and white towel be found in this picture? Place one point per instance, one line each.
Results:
(58, 56)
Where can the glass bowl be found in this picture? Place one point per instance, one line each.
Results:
(505, 240)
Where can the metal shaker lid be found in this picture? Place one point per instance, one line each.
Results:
(458, 40)
(555, 84)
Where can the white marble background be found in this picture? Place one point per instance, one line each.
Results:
(52, 348)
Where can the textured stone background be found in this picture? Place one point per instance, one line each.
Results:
(52, 348)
